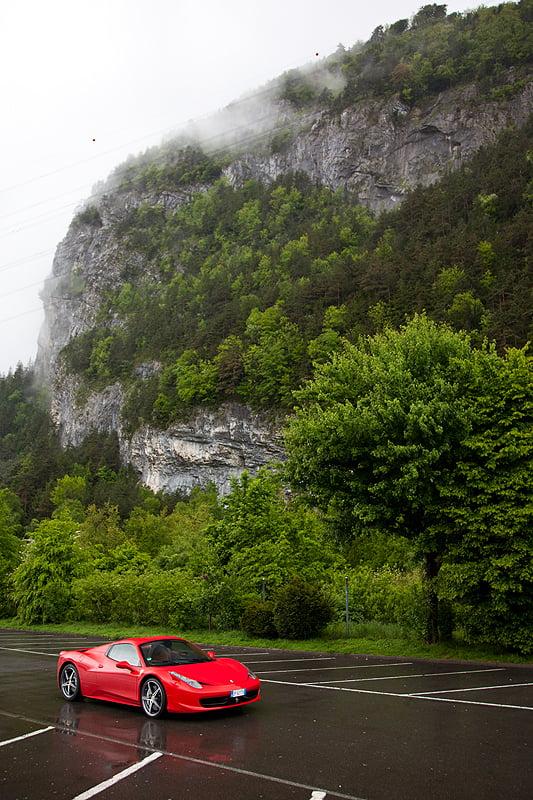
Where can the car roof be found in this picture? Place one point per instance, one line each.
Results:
(138, 640)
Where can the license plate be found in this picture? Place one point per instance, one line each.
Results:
(238, 692)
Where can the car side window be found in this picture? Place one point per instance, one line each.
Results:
(124, 652)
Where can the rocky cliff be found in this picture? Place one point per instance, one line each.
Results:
(381, 149)
(378, 149)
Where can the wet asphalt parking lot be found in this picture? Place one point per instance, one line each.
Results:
(327, 726)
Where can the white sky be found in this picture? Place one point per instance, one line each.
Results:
(85, 84)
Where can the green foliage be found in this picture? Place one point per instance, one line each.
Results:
(167, 599)
(258, 618)
(387, 595)
(189, 547)
(231, 316)
(301, 610)
(380, 433)
(10, 543)
(489, 572)
(42, 583)
(249, 275)
(150, 532)
(89, 216)
(434, 52)
(379, 420)
(220, 602)
(175, 165)
(264, 536)
(380, 549)
(69, 496)
(171, 599)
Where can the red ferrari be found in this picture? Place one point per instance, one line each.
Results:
(157, 674)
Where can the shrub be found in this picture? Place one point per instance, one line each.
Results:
(301, 610)
(165, 598)
(258, 619)
(382, 595)
(220, 604)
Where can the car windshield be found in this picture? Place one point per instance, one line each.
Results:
(172, 652)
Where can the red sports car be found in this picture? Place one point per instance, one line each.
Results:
(158, 674)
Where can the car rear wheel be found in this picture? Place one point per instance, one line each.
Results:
(153, 698)
(69, 682)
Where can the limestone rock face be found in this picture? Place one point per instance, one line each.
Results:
(378, 149)
(210, 447)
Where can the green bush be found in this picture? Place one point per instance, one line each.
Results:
(169, 599)
(93, 596)
(258, 619)
(301, 610)
(220, 604)
(382, 595)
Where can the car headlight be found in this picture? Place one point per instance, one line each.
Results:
(188, 681)
(252, 675)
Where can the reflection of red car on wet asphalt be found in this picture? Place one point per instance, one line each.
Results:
(156, 674)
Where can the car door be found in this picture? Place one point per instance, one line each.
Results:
(119, 683)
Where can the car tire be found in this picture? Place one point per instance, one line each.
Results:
(153, 698)
(69, 682)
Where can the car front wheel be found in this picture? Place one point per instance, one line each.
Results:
(69, 682)
(153, 698)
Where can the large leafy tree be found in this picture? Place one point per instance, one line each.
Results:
(379, 432)
(43, 581)
(489, 568)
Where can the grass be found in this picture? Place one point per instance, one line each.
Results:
(362, 639)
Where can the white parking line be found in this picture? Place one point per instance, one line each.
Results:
(474, 689)
(32, 652)
(290, 660)
(407, 695)
(323, 669)
(118, 777)
(51, 643)
(418, 675)
(232, 655)
(26, 736)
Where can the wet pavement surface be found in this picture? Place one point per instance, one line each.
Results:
(327, 726)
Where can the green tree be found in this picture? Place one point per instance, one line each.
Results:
(489, 508)
(150, 532)
(10, 543)
(301, 610)
(42, 583)
(70, 495)
(264, 535)
(379, 432)
(99, 535)
(275, 359)
(189, 548)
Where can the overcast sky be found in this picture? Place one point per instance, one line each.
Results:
(85, 84)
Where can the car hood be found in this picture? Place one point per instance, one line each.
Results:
(214, 673)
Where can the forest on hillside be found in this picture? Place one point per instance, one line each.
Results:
(419, 57)
(255, 284)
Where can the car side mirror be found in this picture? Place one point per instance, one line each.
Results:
(125, 665)
(211, 654)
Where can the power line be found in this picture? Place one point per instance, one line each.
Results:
(11, 264)
(22, 314)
